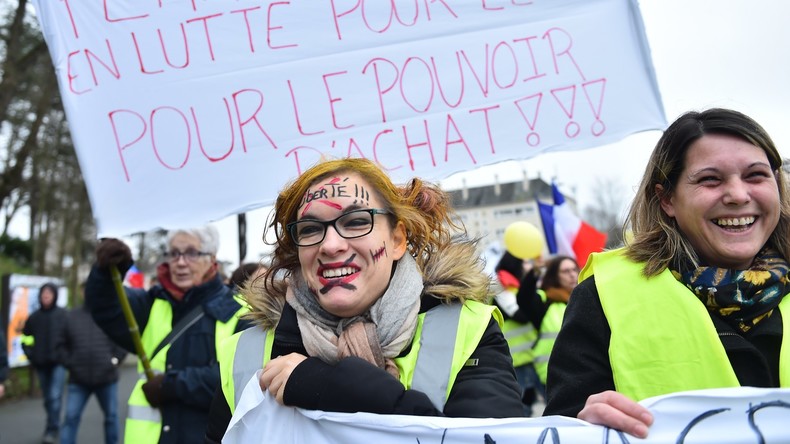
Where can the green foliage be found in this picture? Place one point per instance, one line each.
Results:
(18, 251)
(20, 383)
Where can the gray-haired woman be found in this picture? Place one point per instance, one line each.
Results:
(191, 297)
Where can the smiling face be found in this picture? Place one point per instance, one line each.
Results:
(726, 201)
(184, 272)
(348, 275)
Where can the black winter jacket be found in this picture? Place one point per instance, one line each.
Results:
(488, 390)
(47, 326)
(531, 307)
(192, 369)
(579, 364)
(90, 356)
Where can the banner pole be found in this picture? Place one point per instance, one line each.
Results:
(134, 331)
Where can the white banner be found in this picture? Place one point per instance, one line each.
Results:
(718, 416)
(185, 111)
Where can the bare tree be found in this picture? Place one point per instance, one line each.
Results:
(27, 88)
(605, 211)
(150, 246)
(38, 165)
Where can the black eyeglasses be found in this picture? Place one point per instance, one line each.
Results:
(190, 255)
(356, 223)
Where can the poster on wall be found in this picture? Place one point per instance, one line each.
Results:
(20, 300)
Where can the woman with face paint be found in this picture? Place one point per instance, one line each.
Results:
(697, 299)
(367, 292)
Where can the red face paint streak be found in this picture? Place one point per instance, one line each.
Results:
(331, 204)
(306, 207)
(378, 254)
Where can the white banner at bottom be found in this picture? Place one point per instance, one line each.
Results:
(721, 416)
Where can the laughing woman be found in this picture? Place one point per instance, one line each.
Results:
(697, 299)
(380, 309)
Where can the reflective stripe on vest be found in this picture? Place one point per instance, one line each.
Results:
(143, 413)
(521, 338)
(249, 362)
(143, 422)
(658, 324)
(549, 328)
(437, 346)
(444, 353)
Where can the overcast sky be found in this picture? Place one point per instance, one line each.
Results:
(707, 53)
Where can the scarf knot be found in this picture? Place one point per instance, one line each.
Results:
(742, 298)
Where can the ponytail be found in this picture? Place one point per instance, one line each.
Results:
(429, 218)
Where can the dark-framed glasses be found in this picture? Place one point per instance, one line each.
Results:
(190, 255)
(356, 223)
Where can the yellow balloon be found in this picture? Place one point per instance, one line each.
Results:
(523, 240)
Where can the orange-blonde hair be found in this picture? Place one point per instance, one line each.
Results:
(423, 208)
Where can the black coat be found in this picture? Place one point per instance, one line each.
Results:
(531, 308)
(579, 364)
(488, 390)
(47, 326)
(90, 356)
(192, 369)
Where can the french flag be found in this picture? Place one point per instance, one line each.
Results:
(135, 278)
(566, 234)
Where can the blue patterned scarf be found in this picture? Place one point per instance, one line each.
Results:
(742, 298)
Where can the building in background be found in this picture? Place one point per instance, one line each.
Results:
(487, 210)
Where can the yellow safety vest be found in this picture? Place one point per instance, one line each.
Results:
(549, 328)
(447, 334)
(143, 422)
(663, 339)
(521, 338)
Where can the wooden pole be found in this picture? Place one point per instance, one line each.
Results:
(134, 331)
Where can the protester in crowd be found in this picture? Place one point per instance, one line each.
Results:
(559, 280)
(42, 338)
(512, 274)
(244, 272)
(92, 360)
(366, 279)
(3, 363)
(697, 299)
(182, 320)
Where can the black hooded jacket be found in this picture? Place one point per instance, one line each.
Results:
(47, 326)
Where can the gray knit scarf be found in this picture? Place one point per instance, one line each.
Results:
(378, 336)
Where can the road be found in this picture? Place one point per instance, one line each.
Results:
(22, 421)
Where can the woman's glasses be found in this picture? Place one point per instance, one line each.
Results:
(356, 223)
(191, 255)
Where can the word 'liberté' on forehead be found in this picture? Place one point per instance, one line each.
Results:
(336, 188)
